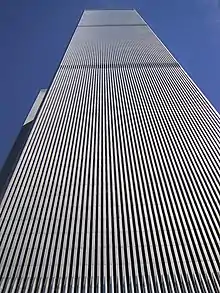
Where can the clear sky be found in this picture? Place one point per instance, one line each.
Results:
(34, 35)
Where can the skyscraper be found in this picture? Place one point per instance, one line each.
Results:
(115, 184)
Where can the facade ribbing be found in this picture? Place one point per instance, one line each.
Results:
(117, 186)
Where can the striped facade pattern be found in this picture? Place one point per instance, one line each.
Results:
(117, 188)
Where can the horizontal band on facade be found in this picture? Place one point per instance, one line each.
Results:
(98, 25)
(121, 65)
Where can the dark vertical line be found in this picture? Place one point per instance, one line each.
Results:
(112, 173)
(106, 97)
(116, 158)
(122, 179)
(75, 131)
(79, 127)
(60, 256)
(135, 129)
(80, 198)
(82, 184)
(128, 188)
(59, 188)
(103, 97)
(97, 191)
(93, 181)
(70, 202)
(87, 220)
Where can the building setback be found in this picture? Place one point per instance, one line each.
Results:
(114, 186)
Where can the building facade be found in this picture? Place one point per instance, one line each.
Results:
(116, 186)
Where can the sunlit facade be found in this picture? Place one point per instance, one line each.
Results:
(115, 187)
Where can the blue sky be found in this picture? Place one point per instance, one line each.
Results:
(34, 35)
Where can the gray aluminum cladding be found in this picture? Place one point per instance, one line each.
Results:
(117, 187)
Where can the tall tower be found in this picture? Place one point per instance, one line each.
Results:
(116, 186)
